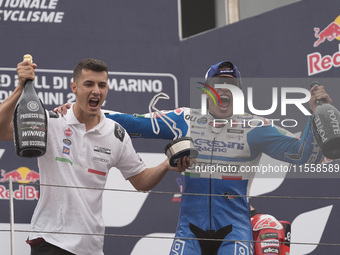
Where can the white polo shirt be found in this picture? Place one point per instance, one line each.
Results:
(78, 158)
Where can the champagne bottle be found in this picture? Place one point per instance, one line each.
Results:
(326, 127)
(30, 122)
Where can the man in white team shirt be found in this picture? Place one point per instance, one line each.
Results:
(82, 146)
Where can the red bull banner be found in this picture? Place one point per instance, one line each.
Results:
(20, 175)
(317, 63)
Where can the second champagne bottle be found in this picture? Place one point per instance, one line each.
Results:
(30, 122)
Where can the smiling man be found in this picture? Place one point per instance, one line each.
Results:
(224, 73)
(225, 151)
(219, 180)
(82, 147)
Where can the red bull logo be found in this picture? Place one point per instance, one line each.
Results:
(315, 61)
(331, 32)
(21, 175)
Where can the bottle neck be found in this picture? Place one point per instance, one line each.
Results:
(321, 101)
(29, 86)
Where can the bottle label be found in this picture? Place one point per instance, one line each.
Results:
(320, 128)
(33, 106)
(334, 121)
(30, 124)
(326, 129)
(30, 130)
(31, 115)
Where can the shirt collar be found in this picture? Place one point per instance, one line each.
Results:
(72, 120)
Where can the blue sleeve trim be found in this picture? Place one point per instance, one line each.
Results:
(275, 144)
(140, 126)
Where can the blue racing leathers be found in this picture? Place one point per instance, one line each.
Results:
(214, 203)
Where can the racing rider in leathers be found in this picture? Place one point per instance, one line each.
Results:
(214, 203)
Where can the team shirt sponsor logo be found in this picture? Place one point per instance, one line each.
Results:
(270, 243)
(119, 132)
(241, 249)
(67, 141)
(198, 127)
(66, 150)
(178, 247)
(271, 250)
(235, 137)
(268, 236)
(102, 150)
(202, 120)
(197, 133)
(68, 132)
(100, 159)
(219, 146)
(235, 131)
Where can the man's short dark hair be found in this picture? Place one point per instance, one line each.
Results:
(89, 64)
